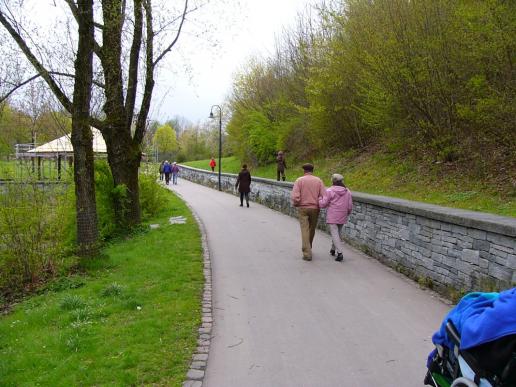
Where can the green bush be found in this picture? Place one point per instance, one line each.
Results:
(152, 196)
(34, 234)
(151, 199)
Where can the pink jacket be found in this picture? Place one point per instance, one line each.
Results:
(306, 191)
(339, 202)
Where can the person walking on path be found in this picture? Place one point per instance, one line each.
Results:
(175, 172)
(167, 170)
(161, 171)
(213, 164)
(339, 202)
(282, 165)
(305, 196)
(243, 184)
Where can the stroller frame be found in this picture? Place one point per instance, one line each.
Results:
(445, 370)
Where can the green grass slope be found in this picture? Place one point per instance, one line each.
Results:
(384, 174)
(130, 319)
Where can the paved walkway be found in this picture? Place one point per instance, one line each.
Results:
(281, 321)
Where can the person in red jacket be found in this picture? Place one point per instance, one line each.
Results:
(212, 164)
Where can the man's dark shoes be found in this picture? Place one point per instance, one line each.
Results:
(241, 205)
(339, 257)
(247, 205)
(332, 252)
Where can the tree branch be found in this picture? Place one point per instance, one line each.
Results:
(10, 92)
(183, 18)
(134, 56)
(21, 84)
(43, 72)
(149, 76)
(75, 12)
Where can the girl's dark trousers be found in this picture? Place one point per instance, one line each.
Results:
(242, 194)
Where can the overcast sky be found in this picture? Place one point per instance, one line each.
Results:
(243, 29)
(217, 40)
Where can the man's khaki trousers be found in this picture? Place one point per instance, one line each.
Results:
(308, 222)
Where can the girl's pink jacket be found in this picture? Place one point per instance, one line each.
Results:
(339, 202)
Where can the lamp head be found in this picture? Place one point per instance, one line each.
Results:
(211, 115)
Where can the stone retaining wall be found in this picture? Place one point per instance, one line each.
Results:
(444, 247)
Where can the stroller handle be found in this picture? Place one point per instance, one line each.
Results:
(452, 332)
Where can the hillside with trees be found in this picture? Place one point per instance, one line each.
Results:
(429, 83)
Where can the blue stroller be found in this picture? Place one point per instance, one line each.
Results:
(476, 344)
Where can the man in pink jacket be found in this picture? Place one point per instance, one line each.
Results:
(339, 202)
(305, 196)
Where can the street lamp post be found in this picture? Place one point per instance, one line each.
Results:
(220, 136)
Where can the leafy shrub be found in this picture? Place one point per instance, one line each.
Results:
(152, 196)
(35, 224)
(105, 192)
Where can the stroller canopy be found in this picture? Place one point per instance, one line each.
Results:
(481, 318)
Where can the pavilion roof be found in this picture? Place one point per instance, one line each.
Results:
(64, 144)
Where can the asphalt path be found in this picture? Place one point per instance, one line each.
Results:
(280, 321)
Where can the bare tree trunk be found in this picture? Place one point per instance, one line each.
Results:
(82, 138)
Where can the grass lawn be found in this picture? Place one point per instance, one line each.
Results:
(381, 174)
(130, 318)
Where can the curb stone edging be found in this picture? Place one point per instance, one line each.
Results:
(196, 372)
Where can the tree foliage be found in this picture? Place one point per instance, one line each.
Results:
(430, 77)
(165, 140)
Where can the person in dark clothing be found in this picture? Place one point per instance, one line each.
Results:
(282, 165)
(167, 170)
(161, 171)
(243, 184)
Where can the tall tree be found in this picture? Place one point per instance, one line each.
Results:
(87, 231)
(122, 123)
(82, 138)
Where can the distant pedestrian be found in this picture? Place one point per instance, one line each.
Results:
(212, 164)
(305, 196)
(281, 166)
(175, 172)
(161, 170)
(243, 184)
(339, 202)
(167, 170)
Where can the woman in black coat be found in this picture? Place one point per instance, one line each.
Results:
(243, 184)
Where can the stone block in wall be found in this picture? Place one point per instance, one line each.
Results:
(511, 261)
(500, 249)
(502, 240)
(471, 256)
(500, 272)
(450, 261)
(481, 244)
(477, 234)
(404, 234)
(430, 223)
(439, 249)
(459, 230)
(449, 239)
(438, 257)
(465, 267)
